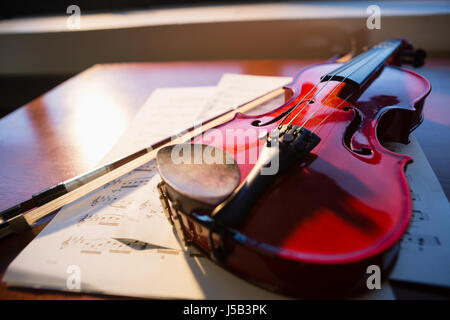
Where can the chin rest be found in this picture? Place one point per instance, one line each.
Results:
(197, 177)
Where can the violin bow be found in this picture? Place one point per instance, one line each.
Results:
(24, 215)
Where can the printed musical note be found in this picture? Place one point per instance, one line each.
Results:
(107, 219)
(115, 193)
(426, 245)
(134, 183)
(106, 245)
(420, 240)
(415, 196)
(419, 216)
(149, 272)
(150, 167)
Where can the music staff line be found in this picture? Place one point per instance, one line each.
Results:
(108, 245)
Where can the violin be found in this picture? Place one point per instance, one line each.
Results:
(302, 199)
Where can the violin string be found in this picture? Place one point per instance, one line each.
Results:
(350, 64)
(354, 61)
(316, 110)
(329, 95)
(301, 101)
(334, 110)
(313, 113)
(308, 101)
(328, 115)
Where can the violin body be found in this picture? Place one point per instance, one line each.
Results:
(342, 208)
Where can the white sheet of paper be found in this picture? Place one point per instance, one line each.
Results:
(84, 235)
(150, 263)
(167, 112)
(425, 249)
(234, 90)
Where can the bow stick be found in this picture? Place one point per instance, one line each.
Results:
(22, 216)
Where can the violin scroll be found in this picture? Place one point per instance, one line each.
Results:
(407, 55)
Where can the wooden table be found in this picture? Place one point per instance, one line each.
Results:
(63, 133)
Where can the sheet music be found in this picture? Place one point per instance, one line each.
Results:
(166, 112)
(425, 249)
(123, 244)
(234, 90)
(118, 236)
(171, 110)
(171, 113)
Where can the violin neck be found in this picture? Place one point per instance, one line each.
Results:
(362, 68)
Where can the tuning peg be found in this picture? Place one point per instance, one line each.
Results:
(415, 58)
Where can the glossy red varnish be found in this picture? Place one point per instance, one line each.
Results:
(342, 206)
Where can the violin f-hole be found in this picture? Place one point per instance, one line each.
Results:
(351, 130)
